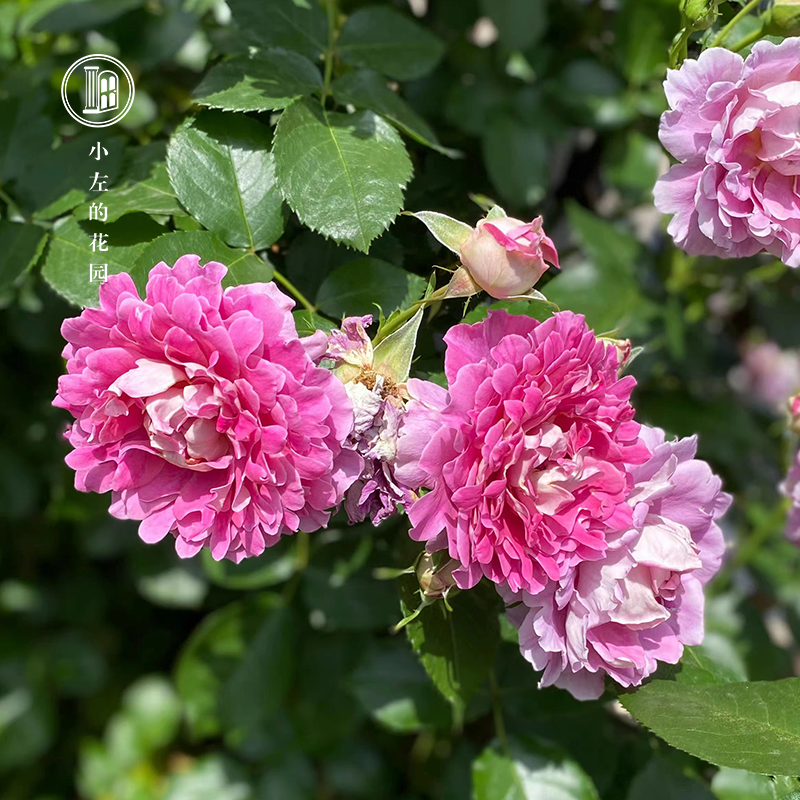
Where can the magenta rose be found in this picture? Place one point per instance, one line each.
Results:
(203, 413)
(525, 456)
(506, 257)
(735, 129)
(643, 601)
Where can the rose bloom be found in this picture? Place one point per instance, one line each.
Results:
(735, 129)
(202, 412)
(767, 375)
(525, 455)
(643, 601)
(506, 257)
(378, 405)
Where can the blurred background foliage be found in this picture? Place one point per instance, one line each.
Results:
(126, 673)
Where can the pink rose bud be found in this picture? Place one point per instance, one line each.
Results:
(783, 18)
(506, 257)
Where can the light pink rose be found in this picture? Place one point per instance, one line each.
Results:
(525, 456)
(506, 257)
(735, 129)
(767, 375)
(643, 601)
(202, 412)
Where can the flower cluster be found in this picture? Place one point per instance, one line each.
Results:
(597, 532)
(207, 418)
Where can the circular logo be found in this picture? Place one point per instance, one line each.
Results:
(108, 91)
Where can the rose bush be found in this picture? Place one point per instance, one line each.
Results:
(437, 378)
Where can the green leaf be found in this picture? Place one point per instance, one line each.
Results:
(210, 777)
(27, 719)
(753, 726)
(294, 24)
(697, 668)
(60, 179)
(520, 23)
(235, 668)
(292, 778)
(392, 686)
(458, 647)
(517, 158)
(80, 14)
(390, 42)
(268, 80)
(393, 355)
(224, 175)
(76, 664)
(356, 288)
(604, 286)
(659, 780)
(367, 89)
(323, 671)
(358, 602)
(144, 187)
(635, 163)
(25, 133)
(276, 565)
(343, 174)
(243, 267)
(446, 230)
(308, 323)
(69, 254)
(738, 784)
(528, 770)
(154, 709)
(20, 248)
(256, 688)
(176, 587)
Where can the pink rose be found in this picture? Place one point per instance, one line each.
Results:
(525, 456)
(202, 412)
(643, 601)
(506, 257)
(735, 128)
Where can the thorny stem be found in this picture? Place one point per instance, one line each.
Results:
(723, 34)
(287, 284)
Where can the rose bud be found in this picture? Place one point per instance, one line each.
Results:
(506, 257)
(700, 14)
(783, 18)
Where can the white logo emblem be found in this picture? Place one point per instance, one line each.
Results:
(105, 91)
